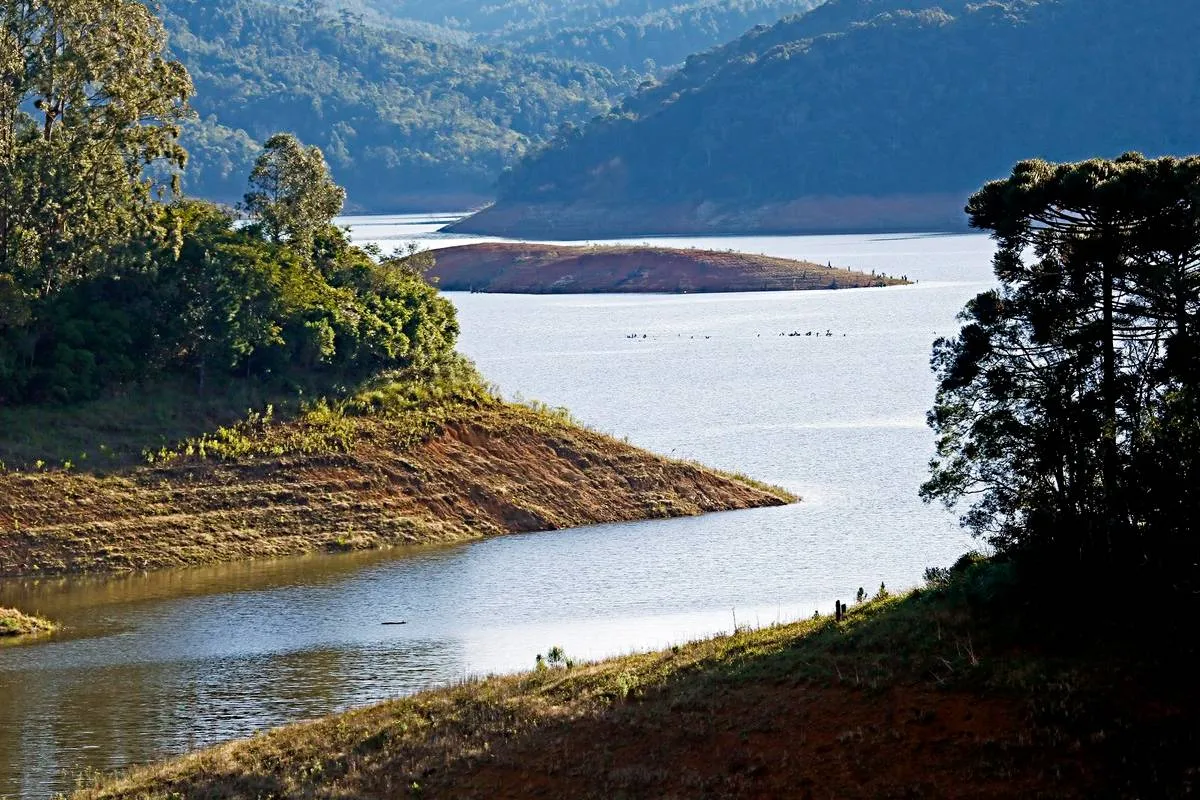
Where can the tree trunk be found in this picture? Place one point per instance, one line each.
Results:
(1113, 502)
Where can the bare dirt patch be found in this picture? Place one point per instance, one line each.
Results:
(553, 269)
(484, 471)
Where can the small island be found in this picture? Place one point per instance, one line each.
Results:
(13, 624)
(527, 268)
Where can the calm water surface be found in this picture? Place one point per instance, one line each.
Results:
(154, 665)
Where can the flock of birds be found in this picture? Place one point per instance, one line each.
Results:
(818, 334)
(809, 333)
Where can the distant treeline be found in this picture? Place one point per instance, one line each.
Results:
(658, 37)
(637, 35)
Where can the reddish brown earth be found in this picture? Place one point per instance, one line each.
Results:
(779, 742)
(498, 469)
(556, 269)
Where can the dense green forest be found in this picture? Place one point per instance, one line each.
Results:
(108, 277)
(403, 121)
(925, 101)
(420, 104)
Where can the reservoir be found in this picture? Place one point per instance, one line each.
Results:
(149, 666)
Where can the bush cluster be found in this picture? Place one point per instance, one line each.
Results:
(222, 301)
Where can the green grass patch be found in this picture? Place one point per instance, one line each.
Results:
(762, 486)
(13, 623)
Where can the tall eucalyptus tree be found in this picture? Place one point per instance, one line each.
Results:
(292, 195)
(88, 100)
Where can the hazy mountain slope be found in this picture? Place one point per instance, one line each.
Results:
(404, 122)
(638, 35)
(828, 17)
(656, 39)
(910, 109)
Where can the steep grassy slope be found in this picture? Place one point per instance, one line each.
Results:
(336, 483)
(547, 269)
(826, 122)
(950, 693)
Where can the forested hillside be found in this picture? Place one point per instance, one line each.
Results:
(824, 18)
(404, 122)
(420, 105)
(657, 38)
(638, 35)
(909, 108)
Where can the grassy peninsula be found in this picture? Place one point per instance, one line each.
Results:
(528, 268)
(395, 463)
(956, 690)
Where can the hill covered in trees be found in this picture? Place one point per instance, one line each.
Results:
(866, 115)
(405, 122)
(637, 35)
(421, 105)
(659, 36)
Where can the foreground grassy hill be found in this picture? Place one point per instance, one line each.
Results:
(382, 468)
(958, 690)
(547, 269)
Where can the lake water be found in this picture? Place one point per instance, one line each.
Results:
(152, 665)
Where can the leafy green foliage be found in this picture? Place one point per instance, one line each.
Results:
(846, 101)
(87, 98)
(227, 303)
(1066, 407)
(103, 285)
(291, 194)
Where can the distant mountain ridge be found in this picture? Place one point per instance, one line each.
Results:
(659, 38)
(422, 105)
(406, 123)
(636, 35)
(866, 115)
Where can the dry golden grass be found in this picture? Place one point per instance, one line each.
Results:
(329, 479)
(13, 623)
